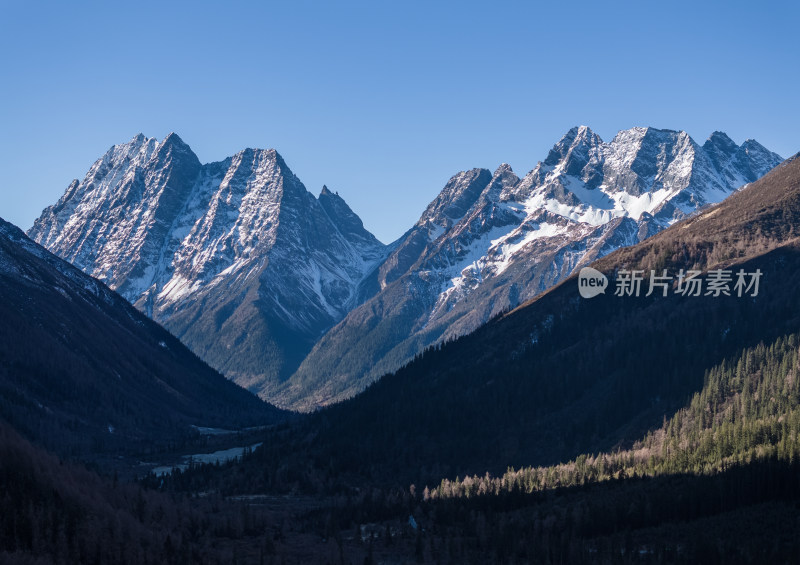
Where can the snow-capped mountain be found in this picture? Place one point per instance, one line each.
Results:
(236, 257)
(490, 241)
(251, 271)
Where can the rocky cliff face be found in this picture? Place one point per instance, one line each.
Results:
(236, 258)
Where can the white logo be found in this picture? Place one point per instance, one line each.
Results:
(717, 283)
(591, 282)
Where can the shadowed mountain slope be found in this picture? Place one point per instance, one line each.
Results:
(82, 371)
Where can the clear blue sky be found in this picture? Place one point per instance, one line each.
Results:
(382, 102)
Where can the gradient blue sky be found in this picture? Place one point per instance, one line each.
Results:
(382, 102)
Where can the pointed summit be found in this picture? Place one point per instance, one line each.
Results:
(577, 137)
(720, 139)
(458, 195)
(751, 145)
(173, 137)
(754, 158)
(502, 169)
(574, 150)
(173, 141)
(720, 148)
(172, 146)
(503, 178)
(346, 221)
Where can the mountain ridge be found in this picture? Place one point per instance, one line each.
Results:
(290, 296)
(508, 238)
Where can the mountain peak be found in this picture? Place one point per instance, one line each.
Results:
(753, 145)
(255, 152)
(578, 134)
(720, 148)
(573, 149)
(174, 153)
(490, 242)
(273, 154)
(173, 138)
(188, 243)
(719, 142)
(173, 144)
(646, 133)
(721, 138)
(256, 159)
(503, 168)
(503, 179)
(458, 195)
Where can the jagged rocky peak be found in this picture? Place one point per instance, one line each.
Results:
(455, 200)
(118, 176)
(720, 148)
(753, 147)
(458, 195)
(504, 178)
(346, 221)
(171, 167)
(739, 163)
(487, 206)
(250, 181)
(575, 150)
(174, 141)
(140, 148)
(137, 141)
(642, 160)
(259, 161)
(754, 157)
(637, 138)
(720, 141)
(522, 190)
